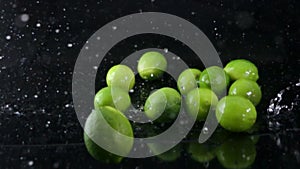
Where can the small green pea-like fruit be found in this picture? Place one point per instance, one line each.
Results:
(152, 65)
(120, 76)
(187, 80)
(214, 78)
(163, 105)
(114, 97)
(246, 88)
(95, 129)
(237, 153)
(236, 113)
(199, 101)
(241, 68)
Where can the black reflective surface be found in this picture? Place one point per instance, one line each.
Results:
(40, 41)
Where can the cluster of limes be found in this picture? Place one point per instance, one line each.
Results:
(200, 90)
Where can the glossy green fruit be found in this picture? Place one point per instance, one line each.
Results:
(152, 65)
(201, 152)
(120, 99)
(241, 68)
(187, 80)
(246, 88)
(163, 105)
(235, 113)
(214, 78)
(120, 76)
(94, 130)
(199, 101)
(237, 153)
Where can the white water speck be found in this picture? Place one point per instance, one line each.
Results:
(8, 37)
(205, 130)
(38, 25)
(69, 45)
(114, 27)
(24, 17)
(166, 50)
(30, 163)
(57, 30)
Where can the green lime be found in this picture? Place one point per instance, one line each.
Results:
(187, 80)
(152, 65)
(246, 88)
(163, 105)
(214, 78)
(241, 68)
(120, 76)
(199, 101)
(235, 113)
(201, 152)
(95, 130)
(120, 101)
(237, 153)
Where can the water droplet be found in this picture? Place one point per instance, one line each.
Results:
(30, 163)
(205, 130)
(70, 45)
(114, 27)
(8, 37)
(38, 25)
(166, 50)
(57, 30)
(24, 17)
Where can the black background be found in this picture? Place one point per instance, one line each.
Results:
(37, 121)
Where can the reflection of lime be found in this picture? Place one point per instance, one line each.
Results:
(187, 80)
(166, 101)
(201, 152)
(95, 130)
(120, 99)
(199, 101)
(169, 156)
(214, 78)
(246, 88)
(152, 65)
(120, 76)
(241, 68)
(235, 113)
(237, 153)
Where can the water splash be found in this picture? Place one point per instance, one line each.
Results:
(282, 108)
